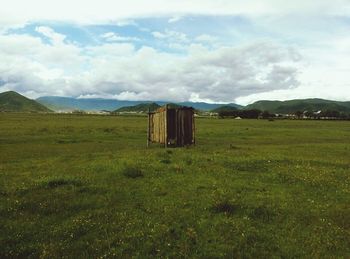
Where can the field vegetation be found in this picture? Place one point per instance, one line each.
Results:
(83, 186)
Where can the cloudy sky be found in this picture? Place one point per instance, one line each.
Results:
(197, 50)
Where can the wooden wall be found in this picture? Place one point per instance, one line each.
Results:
(157, 127)
(172, 126)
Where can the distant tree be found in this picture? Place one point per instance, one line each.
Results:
(344, 116)
(299, 114)
(267, 115)
(223, 114)
(78, 112)
(251, 114)
(308, 114)
(330, 114)
(246, 114)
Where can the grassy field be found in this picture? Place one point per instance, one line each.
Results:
(87, 187)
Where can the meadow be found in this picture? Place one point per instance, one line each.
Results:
(79, 186)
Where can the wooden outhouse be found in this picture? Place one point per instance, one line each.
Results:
(173, 127)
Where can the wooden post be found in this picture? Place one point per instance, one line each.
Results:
(148, 128)
(176, 128)
(193, 129)
(166, 127)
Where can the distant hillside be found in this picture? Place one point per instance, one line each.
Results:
(96, 104)
(291, 106)
(174, 105)
(14, 102)
(142, 107)
(284, 107)
(207, 106)
(224, 108)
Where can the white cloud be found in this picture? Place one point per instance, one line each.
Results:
(112, 36)
(55, 37)
(17, 12)
(120, 70)
(206, 38)
(171, 35)
(175, 19)
(110, 50)
(122, 23)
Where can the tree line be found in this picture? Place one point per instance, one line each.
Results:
(258, 114)
(244, 114)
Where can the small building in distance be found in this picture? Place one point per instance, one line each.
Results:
(171, 126)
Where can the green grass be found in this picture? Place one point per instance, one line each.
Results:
(87, 186)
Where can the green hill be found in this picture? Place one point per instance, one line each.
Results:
(292, 106)
(14, 102)
(142, 107)
(225, 108)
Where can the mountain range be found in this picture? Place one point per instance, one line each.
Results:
(14, 102)
(291, 106)
(96, 104)
(283, 107)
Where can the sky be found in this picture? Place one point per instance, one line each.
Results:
(218, 51)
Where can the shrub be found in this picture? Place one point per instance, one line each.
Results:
(225, 207)
(55, 183)
(262, 213)
(165, 161)
(132, 171)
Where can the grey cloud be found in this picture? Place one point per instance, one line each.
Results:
(227, 73)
